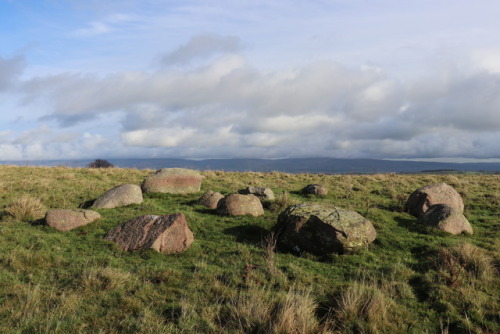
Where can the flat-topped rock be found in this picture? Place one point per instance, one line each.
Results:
(166, 234)
(69, 219)
(122, 195)
(210, 199)
(239, 205)
(440, 193)
(447, 219)
(315, 189)
(173, 181)
(261, 192)
(322, 229)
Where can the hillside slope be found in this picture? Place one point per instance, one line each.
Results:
(411, 280)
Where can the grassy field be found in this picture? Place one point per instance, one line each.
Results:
(411, 280)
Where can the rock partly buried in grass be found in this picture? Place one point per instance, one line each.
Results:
(262, 193)
(210, 199)
(315, 189)
(239, 205)
(446, 218)
(440, 193)
(67, 219)
(322, 229)
(173, 181)
(166, 234)
(123, 195)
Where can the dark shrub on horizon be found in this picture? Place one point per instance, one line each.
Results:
(100, 163)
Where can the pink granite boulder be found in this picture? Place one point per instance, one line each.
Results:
(440, 193)
(173, 181)
(68, 219)
(166, 234)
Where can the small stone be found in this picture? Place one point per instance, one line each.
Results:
(68, 219)
(446, 218)
(315, 189)
(123, 195)
(262, 193)
(440, 193)
(239, 205)
(210, 199)
(173, 181)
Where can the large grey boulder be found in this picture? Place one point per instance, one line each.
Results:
(315, 189)
(446, 218)
(165, 234)
(322, 229)
(68, 219)
(123, 195)
(440, 193)
(262, 193)
(210, 199)
(239, 205)
(173, 181)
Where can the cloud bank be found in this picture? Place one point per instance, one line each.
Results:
(224, 106)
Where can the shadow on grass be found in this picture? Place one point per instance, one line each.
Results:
(3, 214)
(425, 256)
(250, 234)
(191, 202)
(38, 222)
(411, 224)
(207, 211)
(414, 226)
(172, 313)
(86, 204)
(392, 207)
(421, 287)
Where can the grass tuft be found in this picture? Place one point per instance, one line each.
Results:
(261, 311)
(464, 259)
(26, 208)
(363, 307)
(282, 202)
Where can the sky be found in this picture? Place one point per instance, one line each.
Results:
(384, 79)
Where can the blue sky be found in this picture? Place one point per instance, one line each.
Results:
(265, 79)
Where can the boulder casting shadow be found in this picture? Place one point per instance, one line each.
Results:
(249, 234)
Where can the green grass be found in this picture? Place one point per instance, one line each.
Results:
(411, 280)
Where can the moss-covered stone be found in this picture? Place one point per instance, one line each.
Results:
(322, 229)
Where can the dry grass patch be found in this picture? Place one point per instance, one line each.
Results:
(106, 278)
(362, 308)
(282, 202)
(26, 208)
(464, 261)
(260, 310)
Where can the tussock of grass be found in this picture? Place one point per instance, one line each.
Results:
(105, 278)
(26, 208)
(464, 259)
(261, 311)
(475, 261)
(282, 201)
(362, 307)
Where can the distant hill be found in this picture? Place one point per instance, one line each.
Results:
(311, 165)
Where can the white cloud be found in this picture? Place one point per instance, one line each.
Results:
(229, 108)
(94, 28)
(11, 152)
(109, 24)
(165, 137)
(10, 70)
(201, 47)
